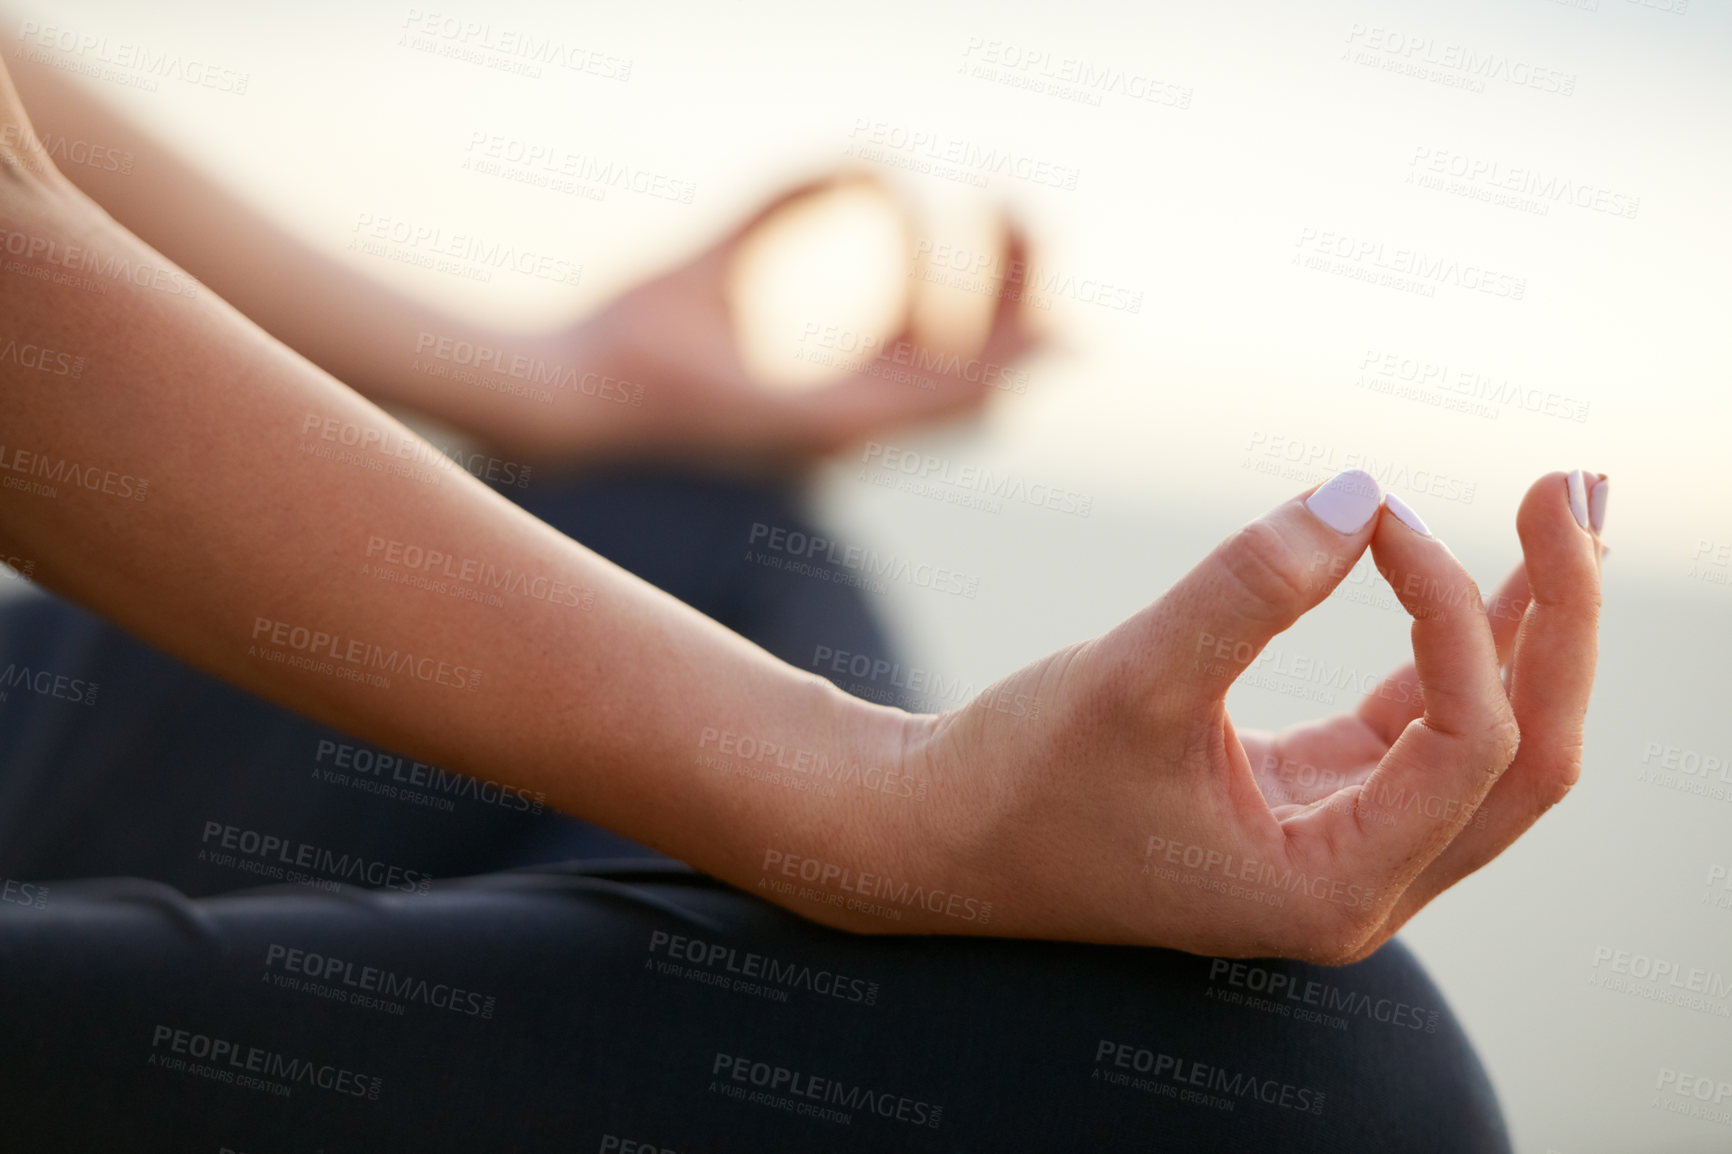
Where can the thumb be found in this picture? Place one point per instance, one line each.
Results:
(1209, 627)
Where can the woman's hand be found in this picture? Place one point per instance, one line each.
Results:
(1126, 809)
(657, 373)
(672, 342)
(1131, 810)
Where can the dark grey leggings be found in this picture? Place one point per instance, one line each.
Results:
(581, 993)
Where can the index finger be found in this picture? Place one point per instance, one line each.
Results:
(910, 381)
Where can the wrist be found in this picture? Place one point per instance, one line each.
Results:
(583, 399)
(903, 872)
(849, 827)
(526, 396)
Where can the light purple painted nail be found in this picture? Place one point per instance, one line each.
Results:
(1579, 497)
(1597, 504)
(1347, 501)
(1406, 515)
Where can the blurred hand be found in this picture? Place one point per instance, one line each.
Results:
(674, 336)
(1129, 809)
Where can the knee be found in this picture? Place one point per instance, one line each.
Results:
(1415, 1073)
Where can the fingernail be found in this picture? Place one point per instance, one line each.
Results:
(1347, 501)
(1579, 498)
(1597, 504)
(1406, 515)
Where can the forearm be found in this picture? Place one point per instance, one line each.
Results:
(269, 491)
(391, 347)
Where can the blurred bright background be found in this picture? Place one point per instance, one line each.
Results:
(1218, 197)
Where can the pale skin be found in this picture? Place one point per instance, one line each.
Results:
(617, 711)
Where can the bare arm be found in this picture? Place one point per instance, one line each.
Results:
(168, 464)
(218, 495)
(610, 385)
